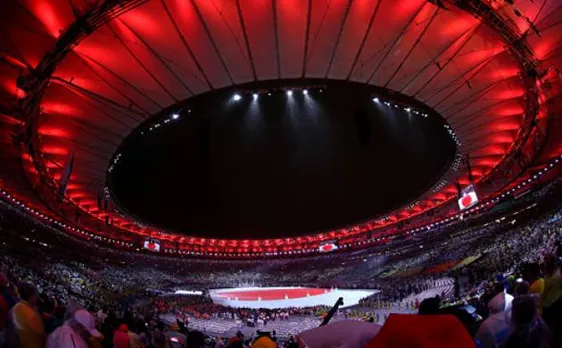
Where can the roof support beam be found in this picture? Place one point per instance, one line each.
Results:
(213, 42)
(246, 40)
(89, 61)
(393, 44)
(186, 45)
(364, 40)
(142, 65)
(306, 38)
(333, 56)
(159, 57)
(434, 60)
(441, 68)
(416, 43)
(276, 32)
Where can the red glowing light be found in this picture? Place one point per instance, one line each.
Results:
(56, 108)
(54, 132)
(55, 150)
(49, 15)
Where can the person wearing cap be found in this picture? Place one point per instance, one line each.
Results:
(495, 329)
(77, 332)
(25, 326)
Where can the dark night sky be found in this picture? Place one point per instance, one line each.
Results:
(280, 166)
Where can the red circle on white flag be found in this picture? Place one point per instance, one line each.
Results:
(466, 200)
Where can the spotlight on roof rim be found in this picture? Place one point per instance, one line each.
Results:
(289, 93)
(237, 97)
(255, 95)
(305, 91)
(376, 100)
(175, 116)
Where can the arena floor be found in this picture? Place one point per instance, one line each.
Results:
(285, 297)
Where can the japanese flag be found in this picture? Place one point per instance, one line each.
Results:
(328, 247)
(152, 245)
(468, 200)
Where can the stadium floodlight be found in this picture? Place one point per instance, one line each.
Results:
(289, 93)
(376, 100)
(175, 116)
(255, 95)
(305, 91)
(237, 97)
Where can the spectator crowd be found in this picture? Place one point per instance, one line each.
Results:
(499, 275)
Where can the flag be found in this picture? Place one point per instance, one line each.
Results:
(66, 173)
(328, 247)
(99, 200)
(468, 200)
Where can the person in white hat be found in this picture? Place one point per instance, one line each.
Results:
(495, 329)
(78, 332)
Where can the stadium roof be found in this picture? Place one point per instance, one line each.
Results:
(77, 77)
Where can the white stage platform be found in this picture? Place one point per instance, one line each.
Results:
(285, 297)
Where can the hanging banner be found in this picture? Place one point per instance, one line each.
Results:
(66, 173)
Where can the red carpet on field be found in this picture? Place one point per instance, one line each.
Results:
(271, 294)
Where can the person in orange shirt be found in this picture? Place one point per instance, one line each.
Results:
(534, 278)
(25, 328)
(264, 340)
